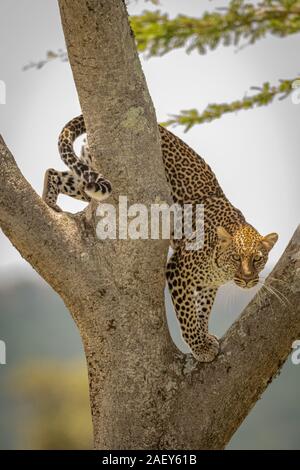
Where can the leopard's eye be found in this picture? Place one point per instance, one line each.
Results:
(257, 257)
(236, 257)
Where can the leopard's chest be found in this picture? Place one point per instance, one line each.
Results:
(201, 266)
(210, 274)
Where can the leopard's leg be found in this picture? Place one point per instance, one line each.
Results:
(192, 306)
(62, 182)
(203, 301)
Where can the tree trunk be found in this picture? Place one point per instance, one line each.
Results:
(144, 393)
(127, 346)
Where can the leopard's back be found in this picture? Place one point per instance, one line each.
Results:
(190, 178)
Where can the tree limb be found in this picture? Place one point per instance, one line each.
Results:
(157, 34)
(122, 322)
(266, 94)
(47, 240)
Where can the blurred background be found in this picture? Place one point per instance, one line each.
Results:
(43, 386)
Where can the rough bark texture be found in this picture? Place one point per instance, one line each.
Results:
(126, 349)
(144, 393)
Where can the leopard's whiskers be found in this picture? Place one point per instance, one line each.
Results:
(279, 295)
(272, 278)
(270, 291)
(283, 296)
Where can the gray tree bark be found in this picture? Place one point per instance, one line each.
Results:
(144, 393)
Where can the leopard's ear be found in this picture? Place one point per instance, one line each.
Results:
(224, 237)
(269, 241)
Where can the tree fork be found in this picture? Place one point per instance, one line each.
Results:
(144, 393)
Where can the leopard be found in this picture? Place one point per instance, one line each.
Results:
(232, 250)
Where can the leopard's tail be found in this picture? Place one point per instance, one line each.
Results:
(67, 137)
(95, 184)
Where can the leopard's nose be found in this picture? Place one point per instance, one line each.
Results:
(246, 269)
(247, 274)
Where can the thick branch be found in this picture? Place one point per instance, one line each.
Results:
(116, 104)
(218, 396)
(47, 240)
(127, 350)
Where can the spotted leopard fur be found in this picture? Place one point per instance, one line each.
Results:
(232, 250)
(81, 181)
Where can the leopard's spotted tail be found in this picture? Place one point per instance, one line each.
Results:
(95, 184)
(67, 137)
(82, 181)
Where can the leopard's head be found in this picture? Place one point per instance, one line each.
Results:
(244, 254)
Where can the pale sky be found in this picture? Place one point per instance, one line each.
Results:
(254, 153)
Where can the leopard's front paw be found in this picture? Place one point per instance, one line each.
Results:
(207, 349)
